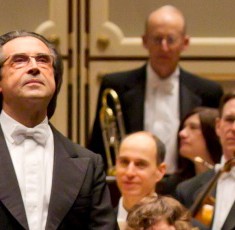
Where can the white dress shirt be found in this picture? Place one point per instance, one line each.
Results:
(33, 165)
(121, 215)
(161, 115)
(225, 196)
(122, 212)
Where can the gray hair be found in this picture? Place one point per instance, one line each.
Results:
(57, 64)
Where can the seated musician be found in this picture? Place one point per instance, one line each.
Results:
(198, 141)
(139, 166)
(222, 214)
(159, 212)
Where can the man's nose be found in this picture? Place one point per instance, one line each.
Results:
(233, 126)
(164, 44)
(32, 61)
(182, 133)
(33, 67)
(130, 170)
(33, 71)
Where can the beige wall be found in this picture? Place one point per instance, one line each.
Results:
(23, 14)
(120, 23)
(115, 35)
(210, 18)
(44, 17)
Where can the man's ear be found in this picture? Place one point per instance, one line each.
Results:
(144, 41)
(186, 42)
(161, 171)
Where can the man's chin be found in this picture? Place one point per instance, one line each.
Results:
(37, 95)
(132, 193)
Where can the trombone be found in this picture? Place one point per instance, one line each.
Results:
(112, 126)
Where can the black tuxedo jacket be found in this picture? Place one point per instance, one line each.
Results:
(130, 87)
(188, 191)
(79, 197)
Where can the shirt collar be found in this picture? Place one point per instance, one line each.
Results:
(225, 174)
(8, 125)
(153, 78)
(122, 212)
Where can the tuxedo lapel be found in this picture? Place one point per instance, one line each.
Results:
(135, 108)
(230, 220)
(203, 184)
(10, 195)
(188, 99)
(68, 176)
(134, 100)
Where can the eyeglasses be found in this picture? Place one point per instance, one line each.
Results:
(18, 61)
(229, 119)
(170, 40)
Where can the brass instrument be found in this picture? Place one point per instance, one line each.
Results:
(112, 125)
(203, 207)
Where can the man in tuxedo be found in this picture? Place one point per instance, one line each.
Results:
(139, 168)
(46, 182)
(156, 96)
(188, 191)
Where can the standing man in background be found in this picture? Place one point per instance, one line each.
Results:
(46, 181)
(156, 96)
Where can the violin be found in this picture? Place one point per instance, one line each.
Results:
(203, 207)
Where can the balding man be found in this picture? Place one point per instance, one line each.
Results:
(139, 166)
(156, 96)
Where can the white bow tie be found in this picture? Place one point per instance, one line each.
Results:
(39, 133)
(164, 86)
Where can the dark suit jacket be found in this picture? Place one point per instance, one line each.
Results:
(188, 191)
(130, 86)
(79, 197)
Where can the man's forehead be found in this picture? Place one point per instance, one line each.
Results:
(166, 19)
(25, 44)
(136, 156)
(229, 107)
(134, 160)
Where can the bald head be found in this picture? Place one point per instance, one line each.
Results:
(141, 141)
(138, 168)
(146, 142)
(166, 15)
(165, 39)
